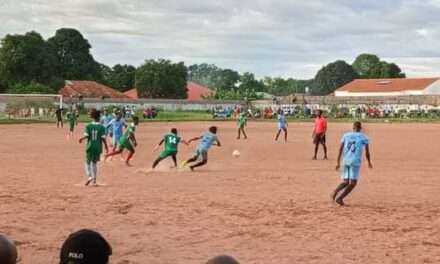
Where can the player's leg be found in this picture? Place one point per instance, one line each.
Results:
(285, 134)
(278, 134)
(113, 153)
(316, 142)
(201, 163)
(340, 187)
(88, 168)
(131, 152)
(157, 161)
(324, 146)
(94, 172)
(239, 133)
(244, 133)
(174, 157)
(353, 175)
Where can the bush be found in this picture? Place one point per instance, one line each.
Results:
(31, 88)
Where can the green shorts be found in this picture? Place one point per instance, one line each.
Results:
(126, 145)
(166, 153)
(93, 156)
(72, 126)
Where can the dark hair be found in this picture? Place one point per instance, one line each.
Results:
(135, 119)
(8, 250)
(213, 129)
(319, 112)
(223, 260)
(174, 131)
(357, 125)
(95, 114)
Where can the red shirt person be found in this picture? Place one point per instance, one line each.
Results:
(319, 134)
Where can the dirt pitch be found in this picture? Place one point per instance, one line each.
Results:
(271, 205)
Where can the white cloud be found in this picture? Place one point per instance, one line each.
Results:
(290, 38)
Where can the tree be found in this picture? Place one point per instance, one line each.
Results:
(369, 66)
(162, 79)
(31, 88)
(248, 82)
(121, 77)
(75, 62)
(213, 77)
(366, 65)
(27, 58)
(333, 76)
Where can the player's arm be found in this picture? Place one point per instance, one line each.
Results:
(368, 156)
(184, 142)
(110, 123)
(105, 144)
(341, 149)
(218, 143)
(133, 139)
(83, 138)
(194, 139)
(159, 144)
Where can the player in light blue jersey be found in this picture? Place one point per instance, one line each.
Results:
(206, 142)
(352, 146)
(282, 125)
(106, 118)
(117, 124)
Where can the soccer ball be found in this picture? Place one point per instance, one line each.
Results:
(236, 153)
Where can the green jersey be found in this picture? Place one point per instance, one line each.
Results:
(95, 133)
(71, 116)
(127, 134)
(171, 142)
(242, 120)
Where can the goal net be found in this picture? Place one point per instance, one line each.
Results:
(30, 105)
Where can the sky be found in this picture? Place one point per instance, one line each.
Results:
(285, 38)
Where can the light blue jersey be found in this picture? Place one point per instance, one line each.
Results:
(354, 143)
(282, 122)
(207, 141)
(105, 121)
(118, 129)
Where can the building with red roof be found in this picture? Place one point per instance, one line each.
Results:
(89, 89)
(390, 87)
(196, 92)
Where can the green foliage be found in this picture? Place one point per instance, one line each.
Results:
(27, 58)
(162, 79)
(369, 66)
(120, 77)
(212, 76)
(333, 76)
(283, 87)
(240, 94)
(75, 62)
(31, 88)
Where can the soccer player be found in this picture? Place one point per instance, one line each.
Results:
(319, 134)
(128, 141)
(95, 135)
(72, 118)
(171, 141)
(352, 145)
(117, 124)
(105, 121)
(59, 114)
(242, 122)
(207, 140)
(282, 125)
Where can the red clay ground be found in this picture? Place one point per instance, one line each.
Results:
(271, 205)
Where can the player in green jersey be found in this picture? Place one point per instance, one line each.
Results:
(95, 135)
(128, 142)
(242, 122)
(171, 141)
(72, 118)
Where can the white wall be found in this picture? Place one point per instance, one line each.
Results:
(433, 89)
(345, 93)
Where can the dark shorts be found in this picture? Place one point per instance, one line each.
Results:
(319, 139)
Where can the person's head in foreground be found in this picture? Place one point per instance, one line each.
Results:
(85, 247)
(174, 131)
(95, 115)
(8, 251)
(213, 130)
(136, 120)
(319, 113)
(357, 126)
(223, 259)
